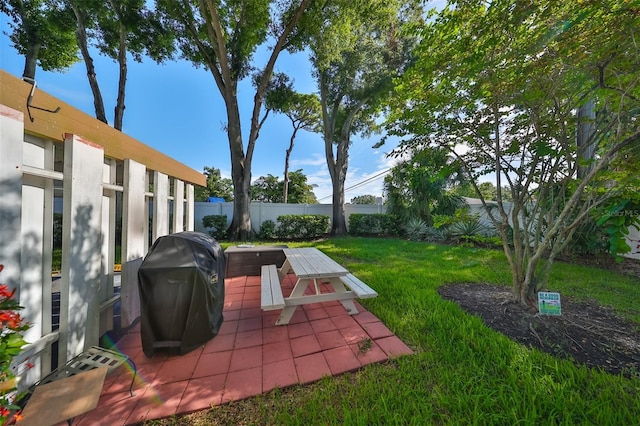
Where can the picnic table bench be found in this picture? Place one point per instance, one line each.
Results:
(311, 267)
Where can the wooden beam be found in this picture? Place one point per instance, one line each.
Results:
(14, 93)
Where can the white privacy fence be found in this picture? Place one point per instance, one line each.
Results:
(261, 212)
(99, 186)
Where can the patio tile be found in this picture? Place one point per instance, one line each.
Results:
(158, 357)
(274, 334)
(201, 393)
(344, 320)
(212, 364)
(120, 383)
(158, 401)
(269, 319)
(237, 283)
(311, 368)
(279, 374)
(131, 340)
(336, 310)
(275, 352)
(341, 360)
(253, 294)
(220, 343)
(228, 326)
(377, 330)
(299, 330)
(321, 325)
(317, 313)
(176, 369)
(236, 286)
(243, 359)
(393, 346)
(194, 352)
(231, 315)
(243, 384)
(298, 317)
(233, 301)
(252, 281)
(365, 317)
(305, 345)
(251, 311)
(250, 355)
(249, 324)
(330, 339)
(109, 412)
(246, 339)
(369, 355)
(353, 335)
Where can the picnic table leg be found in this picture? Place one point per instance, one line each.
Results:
(339, 287)
(289, 310)
(284, 270)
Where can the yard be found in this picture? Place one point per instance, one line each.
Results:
(434, 297)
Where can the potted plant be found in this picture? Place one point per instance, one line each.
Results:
(12, 326)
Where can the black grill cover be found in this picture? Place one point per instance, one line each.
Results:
(181, 282)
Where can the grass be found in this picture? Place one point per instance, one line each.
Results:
(56, 260)
(462, 372)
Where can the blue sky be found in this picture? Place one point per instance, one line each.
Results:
(177, 109)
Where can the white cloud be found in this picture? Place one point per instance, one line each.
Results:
(314, 161)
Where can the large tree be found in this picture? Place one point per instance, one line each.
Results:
(223, 37)
(119, 29)
(42, 31)
(364, 199)
(417, 187)
(217, 186)
(499, 85)
(268, 189)
(302, 109)
(357, 48)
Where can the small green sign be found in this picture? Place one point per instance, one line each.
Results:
(549, 303)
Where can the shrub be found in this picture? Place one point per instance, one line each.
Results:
(307, 226)
(218, 223)
(57, 230)
(267, 230)
(461, 230)
(416, 229)
(373, 224)
(436, 235)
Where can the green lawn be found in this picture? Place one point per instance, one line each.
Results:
(462, 371)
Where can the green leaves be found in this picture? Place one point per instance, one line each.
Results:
(499, 85)
(269, 189)
(42, 31)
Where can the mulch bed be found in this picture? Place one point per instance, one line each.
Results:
(586, 333)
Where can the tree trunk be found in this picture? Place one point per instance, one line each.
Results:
(337, 164)
(81, 38)
(285, 191)
(338, 172)
(240, 228)
(122, 81)
(584, 136)
(338, 177)
(31, 59)
(338, 224)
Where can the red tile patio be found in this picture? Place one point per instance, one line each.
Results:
(249, 356)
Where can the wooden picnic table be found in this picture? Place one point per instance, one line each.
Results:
(312, 268)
